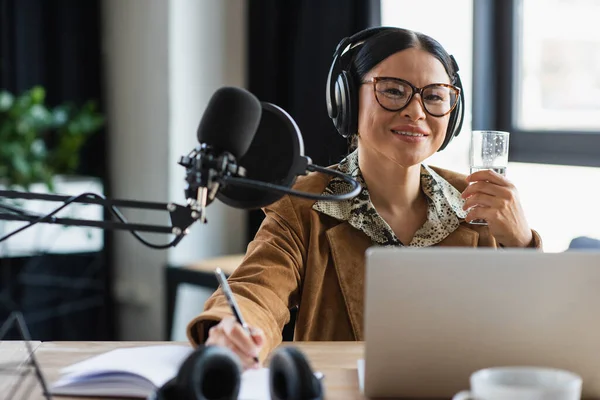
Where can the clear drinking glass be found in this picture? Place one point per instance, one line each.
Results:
(489, 150)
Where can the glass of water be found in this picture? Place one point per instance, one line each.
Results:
(489, 150)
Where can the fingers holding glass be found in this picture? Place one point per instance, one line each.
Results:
(488, 152)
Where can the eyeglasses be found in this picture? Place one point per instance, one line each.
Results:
(394, 94)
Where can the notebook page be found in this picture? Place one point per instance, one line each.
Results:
(255, 385)
(115, 373)
(360, 364)
(157, 363)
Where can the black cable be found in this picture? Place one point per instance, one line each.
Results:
(356, 187)
(50, 217)
(122, 218)
(18, 211)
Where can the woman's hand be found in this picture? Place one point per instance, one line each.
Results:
(231, 334)
(491, 197)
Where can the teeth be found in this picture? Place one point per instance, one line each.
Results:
(408, 133)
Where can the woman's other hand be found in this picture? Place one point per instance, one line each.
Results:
(231, 334)
(490, 196)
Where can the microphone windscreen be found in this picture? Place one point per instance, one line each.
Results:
(276, 156)
(230, 121)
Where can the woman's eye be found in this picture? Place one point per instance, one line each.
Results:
(434, 98)
(394, 92)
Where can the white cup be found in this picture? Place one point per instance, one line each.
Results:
(522, 383)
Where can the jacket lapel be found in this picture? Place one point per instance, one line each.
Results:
(462, 236)
(348, 246)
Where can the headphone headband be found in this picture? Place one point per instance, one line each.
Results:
(337, 66)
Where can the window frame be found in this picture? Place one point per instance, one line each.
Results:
(495, 58)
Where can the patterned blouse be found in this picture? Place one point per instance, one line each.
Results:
(444, 213)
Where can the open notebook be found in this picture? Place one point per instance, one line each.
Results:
(139, 371)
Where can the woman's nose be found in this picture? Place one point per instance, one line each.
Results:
(414, 110)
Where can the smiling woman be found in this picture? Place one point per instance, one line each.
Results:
(425, 114)
(399, 94)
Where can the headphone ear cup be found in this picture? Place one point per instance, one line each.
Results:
(291, 377)
(346, 121)
(208, 373)
(165, 392)
(454, 123)
(332, 77)
(341, 97)
(451, 128)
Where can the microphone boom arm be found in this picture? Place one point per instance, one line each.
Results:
(181, 217)
(205, 174)
(253, 184)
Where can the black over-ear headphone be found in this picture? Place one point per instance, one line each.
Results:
(214, 373)
(342, 95)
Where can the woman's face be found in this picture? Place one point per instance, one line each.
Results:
(410, 135)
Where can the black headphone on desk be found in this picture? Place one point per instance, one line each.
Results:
(214, 373)
(342, 94)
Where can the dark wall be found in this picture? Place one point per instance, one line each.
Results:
(57, 44)
(290, 50)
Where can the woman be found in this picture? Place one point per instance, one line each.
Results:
(311, 254)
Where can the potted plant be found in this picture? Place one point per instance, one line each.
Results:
(39, 152)
(39, 142)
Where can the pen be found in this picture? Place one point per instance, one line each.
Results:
(232, 303)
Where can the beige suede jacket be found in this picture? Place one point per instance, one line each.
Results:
(301, 257)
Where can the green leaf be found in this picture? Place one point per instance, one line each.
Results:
(60, 115)
(38, 94)
(38, 148)
(38, 142)
(21, 165)
(6, 100)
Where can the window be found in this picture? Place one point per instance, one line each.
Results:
(558, 70)
(545, 69)
(479, 33)
(458, 41)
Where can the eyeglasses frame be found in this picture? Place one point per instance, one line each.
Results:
(415, 90)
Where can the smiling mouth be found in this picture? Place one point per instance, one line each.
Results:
(413, 134)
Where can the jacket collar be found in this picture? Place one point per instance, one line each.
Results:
(444, 214)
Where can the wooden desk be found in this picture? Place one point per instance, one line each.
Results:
(337, 361)
(14, 357)
(227, 263)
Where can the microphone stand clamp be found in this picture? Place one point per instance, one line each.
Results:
(205, 172)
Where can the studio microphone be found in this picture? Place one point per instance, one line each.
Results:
(230, 121)
(225, 132)
(249, 156)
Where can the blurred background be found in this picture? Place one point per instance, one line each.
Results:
(138, 74)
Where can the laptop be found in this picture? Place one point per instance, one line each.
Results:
(434, 316)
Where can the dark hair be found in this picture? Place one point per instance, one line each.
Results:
(383, 44)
